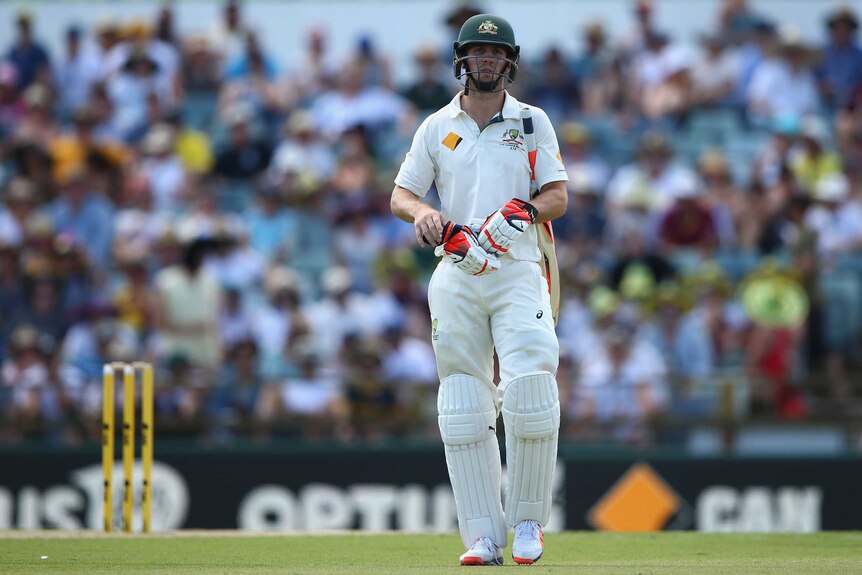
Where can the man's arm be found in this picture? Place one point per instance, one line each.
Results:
(427, 222)
(551, 203)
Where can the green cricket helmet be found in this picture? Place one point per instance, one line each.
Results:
(486, 29)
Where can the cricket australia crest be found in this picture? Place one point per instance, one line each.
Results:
(512, 138)
(487, 27)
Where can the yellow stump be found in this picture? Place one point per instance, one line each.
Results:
(128, 445)
(147, 443)
(108, 446)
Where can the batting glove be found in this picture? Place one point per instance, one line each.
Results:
(506, 225)
(459, 243)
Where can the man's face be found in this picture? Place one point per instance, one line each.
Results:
(486, 65)
(842, 32)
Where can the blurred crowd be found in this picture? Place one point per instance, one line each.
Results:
(198, 203)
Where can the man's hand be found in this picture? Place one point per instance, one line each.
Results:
(459, 243)
(428, 225)
(506, 225)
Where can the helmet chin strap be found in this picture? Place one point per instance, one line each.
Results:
(483, 87)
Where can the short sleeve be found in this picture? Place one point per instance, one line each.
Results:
(417, 170)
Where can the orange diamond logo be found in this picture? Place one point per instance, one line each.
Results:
(640, 501)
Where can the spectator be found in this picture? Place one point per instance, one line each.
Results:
(689, 223)
(840, 70)
(37, 127)
(757, 45)
(138, 39)
(814, 161)
(25, 381)
(187, 308)
(200, 66)
(374, 67)
(836, 218)
(21, 198)
(682, 338)
(279, 322)
(654, 174)
(30, 58)
(236, 402)
(777, 306)
(662, 80)
(11, 105)
(313, 404)
(85, 215)
(427, 93)
(635, 255)
(623, 386)
(737, 224)
(107, 30)
(598, 73)
(133, 90)
(635, 40)
(713, 74)
(244, 156)
(162, 168)
(583, 224)
(310, 240)
(302, 150)
(715, 306)
(79, 69)
(164, 26)
(553, 88)
(228, 37)
(784, 85)
(337, 315)
(776, 157)
(235, 322)
(42, 309)
(133, 298)
(579, 155)
(74, 274)
(266, 221)
(251, 63)
(359, 241)
(316, 74)
(374, 410)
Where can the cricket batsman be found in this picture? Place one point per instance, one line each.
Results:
(488, 292)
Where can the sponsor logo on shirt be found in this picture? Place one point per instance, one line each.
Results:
(452, 140)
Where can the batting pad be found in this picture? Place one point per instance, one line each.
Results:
(467, 417)
(531, 413)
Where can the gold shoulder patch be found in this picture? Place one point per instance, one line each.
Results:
(559, 157)
(452, 140)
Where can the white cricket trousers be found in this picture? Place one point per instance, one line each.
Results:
(509, 310)
(471, 316)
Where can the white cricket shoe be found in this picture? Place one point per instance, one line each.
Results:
(483, 552)
(529, 542)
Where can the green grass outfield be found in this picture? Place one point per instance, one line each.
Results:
(587, 553)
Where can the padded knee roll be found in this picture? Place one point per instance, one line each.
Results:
(531, 413)
(467, 417)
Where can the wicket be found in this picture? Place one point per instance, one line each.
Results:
(129, 371)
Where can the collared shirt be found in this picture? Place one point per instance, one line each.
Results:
(478, 170)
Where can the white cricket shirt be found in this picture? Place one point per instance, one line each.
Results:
(478, 171)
